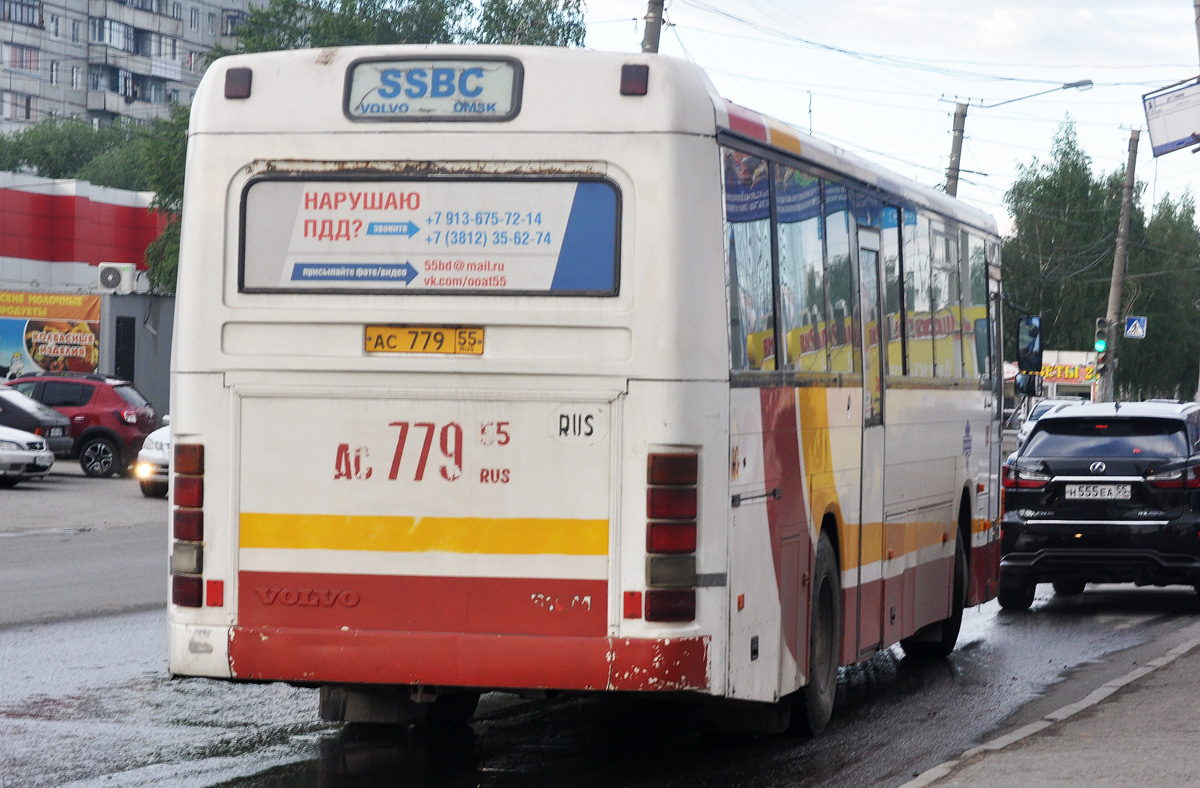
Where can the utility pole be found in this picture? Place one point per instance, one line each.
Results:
(1117, 284)
(960, 120)
(654, 20)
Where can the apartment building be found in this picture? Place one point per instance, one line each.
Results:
(106, 59)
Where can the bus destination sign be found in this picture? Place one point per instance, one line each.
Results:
(433, 89)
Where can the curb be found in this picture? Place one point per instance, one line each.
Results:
(931, 776)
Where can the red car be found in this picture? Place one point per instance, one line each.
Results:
(110, 419)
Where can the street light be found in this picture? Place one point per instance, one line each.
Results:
(960, 119)
(1083, 84)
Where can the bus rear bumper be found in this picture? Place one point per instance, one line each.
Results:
(509, 661)
(195, 650)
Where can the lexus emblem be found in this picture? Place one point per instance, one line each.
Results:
(1098, 467)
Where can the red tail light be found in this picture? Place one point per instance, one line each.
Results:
(189, 491)
(673, 470)
(189, 458)
(1012, 477)
(1181, 479)
(188, 525)
(671, 604)
(671, 503)
(665, 537)
(187, 551)
(187, 590)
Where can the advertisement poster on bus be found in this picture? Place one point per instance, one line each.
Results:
(529, 236)
(57, 332)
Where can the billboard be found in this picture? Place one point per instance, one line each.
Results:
(1173, 116)
(58, 332)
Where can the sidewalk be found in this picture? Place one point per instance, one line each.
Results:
(1140, 729)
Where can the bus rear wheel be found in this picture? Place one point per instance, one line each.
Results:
(814, 703)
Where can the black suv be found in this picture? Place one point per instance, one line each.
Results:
(1103, 493)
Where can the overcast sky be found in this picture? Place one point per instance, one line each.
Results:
(881, 77)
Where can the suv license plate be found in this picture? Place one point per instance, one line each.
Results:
(424, 339)
(1098, 492)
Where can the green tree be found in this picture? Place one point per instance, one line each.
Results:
(123, 167)
(164, 156)
(546, 22)
(298, 24)
(60, 148)
(295, 24)
(1162, 284)
(1058, 263)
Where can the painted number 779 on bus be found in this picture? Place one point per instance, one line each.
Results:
(413, 449)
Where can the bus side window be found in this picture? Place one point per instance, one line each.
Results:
(947, 312)
(748, 261)
(801, 270)
(843, 293)
(893, 307)
(917, 282)
(974, 287)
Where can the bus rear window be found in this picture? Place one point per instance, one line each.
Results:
(521, 236)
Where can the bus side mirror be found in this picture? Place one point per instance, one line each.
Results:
(1026, 385)
(1029, 344)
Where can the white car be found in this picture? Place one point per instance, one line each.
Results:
(23, 455)
(1039, 410)
(154, 463)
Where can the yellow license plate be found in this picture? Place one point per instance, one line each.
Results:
(424, 339)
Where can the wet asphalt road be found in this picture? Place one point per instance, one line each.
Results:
(85, 699)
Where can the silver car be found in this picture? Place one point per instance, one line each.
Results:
(23, 455)
(154, 463)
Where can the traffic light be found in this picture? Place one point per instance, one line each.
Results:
(1101, 344)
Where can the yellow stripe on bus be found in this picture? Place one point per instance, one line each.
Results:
(492, 535)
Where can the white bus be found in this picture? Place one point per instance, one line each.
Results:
(535, 370)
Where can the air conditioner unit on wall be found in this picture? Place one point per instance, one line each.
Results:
(117, 277)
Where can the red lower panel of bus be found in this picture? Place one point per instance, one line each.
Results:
(456, 631)
(474, 605)
(468, 660)
(985, 573)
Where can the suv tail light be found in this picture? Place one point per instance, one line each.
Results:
(1179, 479)
(1012, 477)
(128, 416)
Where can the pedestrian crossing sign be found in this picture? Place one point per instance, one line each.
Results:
(1135, 328)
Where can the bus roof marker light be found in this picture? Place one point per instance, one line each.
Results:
(635, 79)
(237, 83)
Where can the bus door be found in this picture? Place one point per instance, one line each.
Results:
(872, 558)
